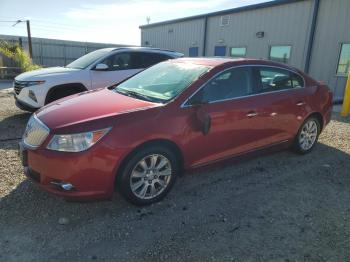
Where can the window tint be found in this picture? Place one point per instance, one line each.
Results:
(275, 79)
(344, 60)
(297, 81)
(88, 59)
(238, 51)
(150, 59)
(280, 53)
(233, 83)
(120, 61)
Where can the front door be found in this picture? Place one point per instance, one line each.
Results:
(231, 103)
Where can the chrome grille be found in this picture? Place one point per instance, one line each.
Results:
(35, 133)
(18, 86)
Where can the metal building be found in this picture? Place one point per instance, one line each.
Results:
(49, 52)
(312, 35)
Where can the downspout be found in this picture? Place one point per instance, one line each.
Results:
(205, 35)
(312, 36)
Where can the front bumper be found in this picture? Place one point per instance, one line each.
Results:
(91, 173)
(25, 102)
(24, 106)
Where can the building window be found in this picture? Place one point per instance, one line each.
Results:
(344, 60)
(238, 51)
(193, 51)
(280, 53)
(220, 51)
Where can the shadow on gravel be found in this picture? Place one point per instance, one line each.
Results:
(277, 207)
(12, 128)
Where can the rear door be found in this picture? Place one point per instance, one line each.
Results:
(282, 103)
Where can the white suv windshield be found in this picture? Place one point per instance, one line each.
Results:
(88, 59)
(162, 82)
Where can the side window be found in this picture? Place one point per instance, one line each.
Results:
(276, 79)
(119, 61)
(297, 81)
(150, 59)
(233, 83)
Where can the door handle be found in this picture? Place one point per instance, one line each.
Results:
(300, 103)
(252, 114)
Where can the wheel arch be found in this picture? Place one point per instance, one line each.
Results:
(154, 142)
(79, 87)
(319, 117)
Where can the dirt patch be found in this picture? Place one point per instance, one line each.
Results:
(279, 207)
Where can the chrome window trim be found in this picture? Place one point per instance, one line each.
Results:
(44, 126)
(183, 105)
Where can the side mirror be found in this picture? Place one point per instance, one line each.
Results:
(206, 124)
(101, 67)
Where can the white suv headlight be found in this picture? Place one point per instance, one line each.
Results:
(32, 83)
(76, 142)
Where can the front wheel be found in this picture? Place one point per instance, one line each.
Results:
(307, 135)
(148, 175)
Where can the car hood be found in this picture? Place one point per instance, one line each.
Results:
(88, 106)
(40, 74)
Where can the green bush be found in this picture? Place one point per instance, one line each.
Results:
(17, 54)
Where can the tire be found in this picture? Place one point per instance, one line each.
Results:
(148, 175)
(307, 136)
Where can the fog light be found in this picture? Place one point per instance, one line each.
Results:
(64, 186)
(67, 186)
(32, 96)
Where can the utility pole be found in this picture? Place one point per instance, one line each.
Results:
(29, 40)
(29, 36)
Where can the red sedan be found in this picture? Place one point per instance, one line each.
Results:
(177, 115)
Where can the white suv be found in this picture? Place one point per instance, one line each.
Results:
(100, 68)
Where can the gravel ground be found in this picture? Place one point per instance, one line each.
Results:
(277, 207)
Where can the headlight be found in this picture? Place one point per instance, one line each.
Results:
(32, 83)
(76, 142)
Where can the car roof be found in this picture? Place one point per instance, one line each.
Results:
(146, 49)
(220, 61)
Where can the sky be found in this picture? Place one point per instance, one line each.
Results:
(101, 21)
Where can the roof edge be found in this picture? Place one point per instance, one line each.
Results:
(223, 12)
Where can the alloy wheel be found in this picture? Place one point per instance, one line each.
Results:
(150, 176)
(308, 135)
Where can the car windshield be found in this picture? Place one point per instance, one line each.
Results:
(162, 82)
(88, 59)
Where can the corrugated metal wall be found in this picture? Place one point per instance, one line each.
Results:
(287, 24)
(333, 29)
(178, 36)
(50, 52)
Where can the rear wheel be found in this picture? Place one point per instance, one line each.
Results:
(148, 175)
(307, 136)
